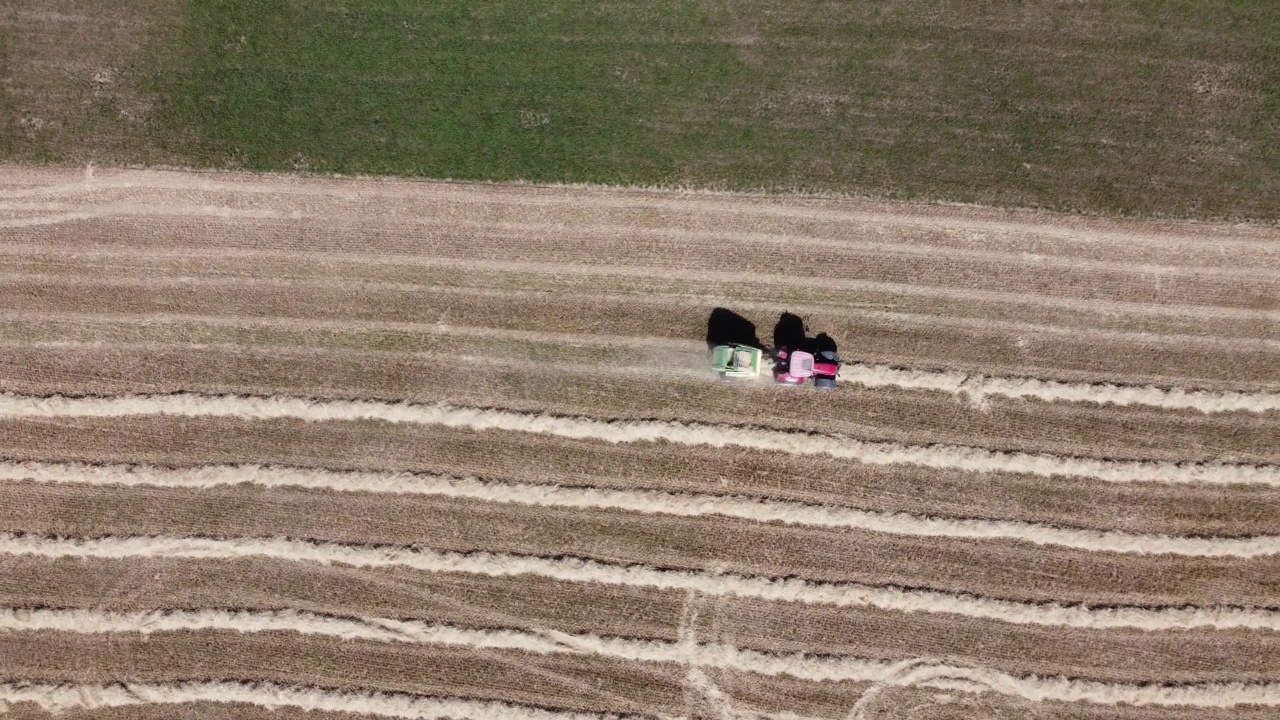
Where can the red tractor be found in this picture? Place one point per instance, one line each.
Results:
(791, 366)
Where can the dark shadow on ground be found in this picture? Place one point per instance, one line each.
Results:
(726, 327)
(790, 333)
(824, 343)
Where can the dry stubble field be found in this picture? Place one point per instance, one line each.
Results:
(407, 449)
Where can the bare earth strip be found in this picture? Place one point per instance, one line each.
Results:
(476, 601)
(77, 257)
(632, 431)
(1149, 508)
(993, 567)
(567, 682)
(835, 700)
(58, 699)
(465, 218)
(638, 501)
(835, 304)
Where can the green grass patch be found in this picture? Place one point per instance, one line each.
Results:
(533, 90)
(1149, 107)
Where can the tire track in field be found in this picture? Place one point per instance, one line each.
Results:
(968, 386)
(976, 387)
(630, 431)
(42, 215)
(694, 654)
(570, 569)
(144, 321)
(445, 196)
(639, 501)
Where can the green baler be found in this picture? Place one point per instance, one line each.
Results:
(737, 360)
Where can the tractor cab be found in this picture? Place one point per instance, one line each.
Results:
(792, 366)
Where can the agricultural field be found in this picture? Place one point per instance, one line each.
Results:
(282, 447)
(1136, 107)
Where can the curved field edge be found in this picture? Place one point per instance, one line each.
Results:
(32, 189)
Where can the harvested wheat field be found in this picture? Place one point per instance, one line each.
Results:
(337, 448)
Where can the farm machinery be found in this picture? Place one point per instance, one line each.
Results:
(790, 366)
